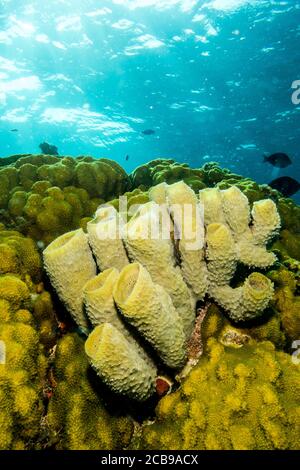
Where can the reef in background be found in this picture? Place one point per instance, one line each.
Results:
(41, 195)
(48, 394)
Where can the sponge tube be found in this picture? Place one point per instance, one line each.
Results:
(189, 224)
(101, 308)
(105, 240)
(118, 364)
(149, 308)
(245, 302)
(156, 254)
(69, 263)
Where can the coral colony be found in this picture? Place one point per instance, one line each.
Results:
(193, 327)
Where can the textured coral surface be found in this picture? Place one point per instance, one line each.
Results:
(242, 394)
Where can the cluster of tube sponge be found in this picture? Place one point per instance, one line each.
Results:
(153, 270)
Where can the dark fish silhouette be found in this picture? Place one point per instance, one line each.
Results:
(281, 160)
(286, 185)
(48, 149)
(127, 158)
(14, 130)
(148, 132)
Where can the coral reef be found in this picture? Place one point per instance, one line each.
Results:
(287, 300)
(243, 392)
(241, 399)
(18, 255)
(43, 195)
(27, 331)
(107, 348)
(150, 291)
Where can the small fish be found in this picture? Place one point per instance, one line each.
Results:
(14, 130)
(148, 132)
(48, 149)
(281, 160)
(286, 185)
(127, 158)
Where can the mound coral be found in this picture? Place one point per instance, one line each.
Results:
(27, 332)
(18, 255)
(286, 300)
(241, 399)
(168, 171)
(41, 195)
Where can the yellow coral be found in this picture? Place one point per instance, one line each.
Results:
(244, 412)
(77, 415)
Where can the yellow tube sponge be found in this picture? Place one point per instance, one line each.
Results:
(189, 227)
(98, 298)
(105, 240)
(252, 254)
(149, 308)
(211, 200)
(221, 254)
(245, 302)
(251, 240)
(101, 308)
(118, 364)
(236, 210)
(70, 264)
(155, 251)
(266, 221)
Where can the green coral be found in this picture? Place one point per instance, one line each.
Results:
(27, 331)
(23, 371)
(18, 255)
(77, 414)
(287, 300)
(133, 198)
(41, 195)
(241, 399)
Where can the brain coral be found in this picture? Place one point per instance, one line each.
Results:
(241, 399)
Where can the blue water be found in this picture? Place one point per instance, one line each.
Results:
(212, 78)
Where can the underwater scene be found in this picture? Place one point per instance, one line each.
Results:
(149, 225)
